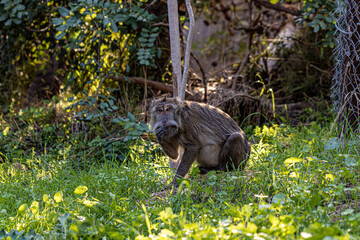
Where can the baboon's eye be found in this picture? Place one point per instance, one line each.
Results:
(168, 108)
(159, 110)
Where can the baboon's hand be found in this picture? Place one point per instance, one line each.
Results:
(161, 132)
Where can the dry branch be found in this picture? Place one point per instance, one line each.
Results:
(187, 49)
(277, 7)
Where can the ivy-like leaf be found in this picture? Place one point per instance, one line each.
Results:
(20, 7)
(332, 144)
(8, 22)
(3, 17)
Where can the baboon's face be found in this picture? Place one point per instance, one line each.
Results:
(165, 123)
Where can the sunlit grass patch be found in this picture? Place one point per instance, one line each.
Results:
(299, 184)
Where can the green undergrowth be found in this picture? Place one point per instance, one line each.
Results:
(300, 183)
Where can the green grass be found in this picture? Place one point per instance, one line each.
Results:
(299, 184)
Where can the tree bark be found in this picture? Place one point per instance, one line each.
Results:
(175, 45)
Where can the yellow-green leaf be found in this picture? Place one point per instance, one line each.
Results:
(80, 190)
(46, 198)
(23, 208)
(115, 235)
(34, 207)
(89, 203)
(292, 160)
(330, 177)
(251, 227)
(274, 1)
(58, 197)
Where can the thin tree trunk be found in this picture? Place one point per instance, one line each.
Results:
(175, 45)
(188, 49)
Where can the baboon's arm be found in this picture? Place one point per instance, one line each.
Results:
(187, 160)
(170, 148)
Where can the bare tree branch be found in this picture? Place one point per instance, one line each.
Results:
(188, 49)
(278, 7)
(204, 79)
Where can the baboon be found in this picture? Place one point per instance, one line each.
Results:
(189, 131)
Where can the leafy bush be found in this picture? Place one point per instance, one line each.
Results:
(319, 15)
(80, 42)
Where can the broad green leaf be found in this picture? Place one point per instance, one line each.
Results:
(350, 162)
(279, 198)
(113, 26)
(63, 11)
(58, 197)
(115, 120)
(106, 21)
(3, 17)
(131, 117)
(104, 105)
(316, 29)
(60, 35)
(20, 7)
(333, 143)
(134, 25)
(8, 22)
(62, 27)
(80, 190)
(348, 212)
(57, 21)
(17, 21)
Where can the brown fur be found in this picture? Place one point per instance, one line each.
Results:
(189, 131)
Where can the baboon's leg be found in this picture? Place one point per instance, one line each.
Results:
(190, 154)
(235, 152)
